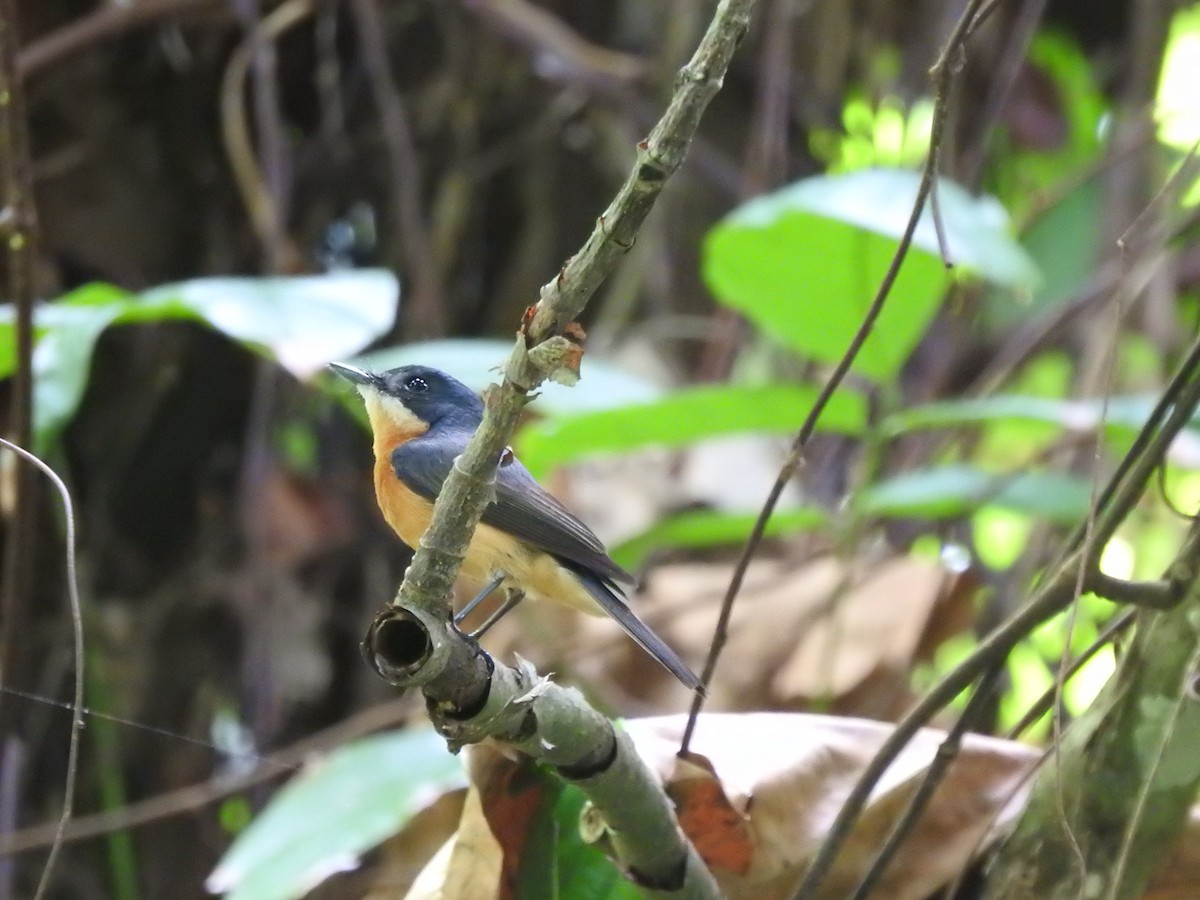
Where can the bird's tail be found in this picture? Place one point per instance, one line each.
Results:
(639, 631)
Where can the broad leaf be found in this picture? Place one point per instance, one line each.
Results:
(951, 491)
(684, 417)
(709, 528)
(303, 322)
(339, 807)
(805, 262)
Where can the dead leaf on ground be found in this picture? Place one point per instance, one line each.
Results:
(824, 630)
(788, 774)
(756, 797)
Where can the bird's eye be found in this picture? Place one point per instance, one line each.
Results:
(416, 384)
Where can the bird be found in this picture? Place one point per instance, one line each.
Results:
(527, 542)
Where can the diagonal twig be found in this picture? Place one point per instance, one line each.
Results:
(413, 642)
(943, 74)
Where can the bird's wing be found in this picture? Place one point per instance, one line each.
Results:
(521, 508)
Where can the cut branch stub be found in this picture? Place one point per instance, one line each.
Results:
(411, 648)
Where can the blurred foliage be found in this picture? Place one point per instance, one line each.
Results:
(301, 322)
(222, 505)
(805, 262)
(324, 820)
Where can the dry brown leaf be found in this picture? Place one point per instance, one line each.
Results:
(877, 621)
(719, 832)
(788, 774)
(821, 630)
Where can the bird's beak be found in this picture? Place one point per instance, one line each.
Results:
(352, 374)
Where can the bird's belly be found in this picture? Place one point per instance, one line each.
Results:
(491, 551)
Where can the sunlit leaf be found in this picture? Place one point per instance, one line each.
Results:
(711, 528)
(337, 809)
(303, 322)
(805, 262)
(682, 418)
(1175, 107)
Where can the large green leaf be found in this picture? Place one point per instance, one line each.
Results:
(682, 418)
(339, 807)
(712, 528)
(303, 322)
(951, 491)
(1121, 416)
(476, 362)
(805, 262)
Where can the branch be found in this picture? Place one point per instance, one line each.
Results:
(1136, 739)
(413, 643)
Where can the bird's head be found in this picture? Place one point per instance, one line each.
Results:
(412, 399)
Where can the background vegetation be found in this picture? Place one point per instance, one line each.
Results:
(231, 194)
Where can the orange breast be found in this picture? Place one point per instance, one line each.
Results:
(407, 512)
(491, 551)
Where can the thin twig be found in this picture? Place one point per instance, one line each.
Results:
(197, 796)
(77, 639)
(1183, 176)
(1087, 552)
(943, 73)
(1000, 85)
(108, 21)
(19, 238)
(426, 314)
(273, 164)
(549, 37)
(1043, 703)
(469, 697)
(261, 206)
(947, 752)
(939, 226)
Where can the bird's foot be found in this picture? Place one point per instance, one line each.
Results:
(513, 596)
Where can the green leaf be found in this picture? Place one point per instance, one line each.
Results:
(709, 528)
(476, 363)
(805, 262)
(557, 862)
(303, 322)
(62, 360)
(1175, 107)
(683, 417)
(336, 810)
(1123, 416)
(953, 491)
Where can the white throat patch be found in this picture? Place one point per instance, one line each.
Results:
(384, 409)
